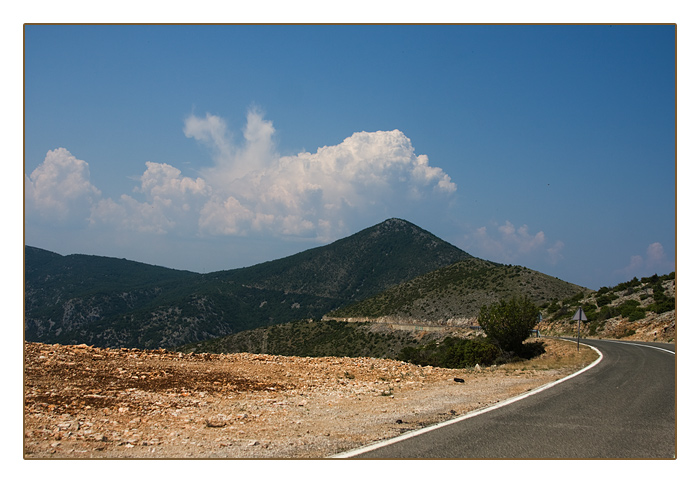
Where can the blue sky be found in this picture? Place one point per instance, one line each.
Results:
(214, 147)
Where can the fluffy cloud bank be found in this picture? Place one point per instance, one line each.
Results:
(249, 188)
(654, 261)
(59, 190)
(172, 203)
(309, 194)
(510, 244)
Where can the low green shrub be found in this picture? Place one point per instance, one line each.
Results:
(662, 302)
(553, 307)
(458, 353)
(606, 312)
(479, 351)
(631, 309)
(663, 306)
(508, 323)
(637, 314)
(605, 299)
(532, 349)
(452, 353)
(574, 299)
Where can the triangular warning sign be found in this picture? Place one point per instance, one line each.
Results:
(579, 315)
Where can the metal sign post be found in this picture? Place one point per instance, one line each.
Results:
(579, 315)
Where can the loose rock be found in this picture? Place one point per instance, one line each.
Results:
(241, 405)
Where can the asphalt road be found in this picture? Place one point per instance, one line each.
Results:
(624, 407)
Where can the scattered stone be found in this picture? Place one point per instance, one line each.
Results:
(216, 422)
(95, 408)
(459, 379)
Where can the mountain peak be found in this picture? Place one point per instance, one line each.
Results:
(394, 223)
(359, 265)
(396, 226)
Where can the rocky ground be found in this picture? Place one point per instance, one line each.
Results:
(85, 402)
(653, 328)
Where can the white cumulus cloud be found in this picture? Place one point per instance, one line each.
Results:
(308, 194)
(172, 203)
(508, 244)
(59, 189)
(233, 161)
(654, 261)
(249, 188)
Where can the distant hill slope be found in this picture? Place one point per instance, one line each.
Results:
(355, 267)
(99, 300)
(637, 309)
(111, 302)
(458, 291)
(311, 338)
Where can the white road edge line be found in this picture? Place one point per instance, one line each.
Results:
(416, 432)
(640, 345)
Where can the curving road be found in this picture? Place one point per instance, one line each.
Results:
(624, 407)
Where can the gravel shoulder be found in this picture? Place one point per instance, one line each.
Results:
(85, 402)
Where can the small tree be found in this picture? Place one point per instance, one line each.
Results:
(509, 322)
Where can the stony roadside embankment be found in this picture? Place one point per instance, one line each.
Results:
(652, 328)
(86, 402)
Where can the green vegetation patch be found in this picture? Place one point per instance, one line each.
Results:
(310, 338)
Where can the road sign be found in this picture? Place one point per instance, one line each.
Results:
(579, 315)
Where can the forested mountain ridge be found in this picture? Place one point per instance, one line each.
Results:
(450, 296)
(355, 267)
(109, 302)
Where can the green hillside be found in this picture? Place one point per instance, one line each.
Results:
(459, 291)
(612, 313)
(645, 306)
(109, 302)
(311, 338)
(355, 267)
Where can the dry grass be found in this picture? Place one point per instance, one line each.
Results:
(561, 354)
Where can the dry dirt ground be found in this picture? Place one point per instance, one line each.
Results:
(85, 402)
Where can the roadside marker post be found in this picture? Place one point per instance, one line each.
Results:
(579, 315)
